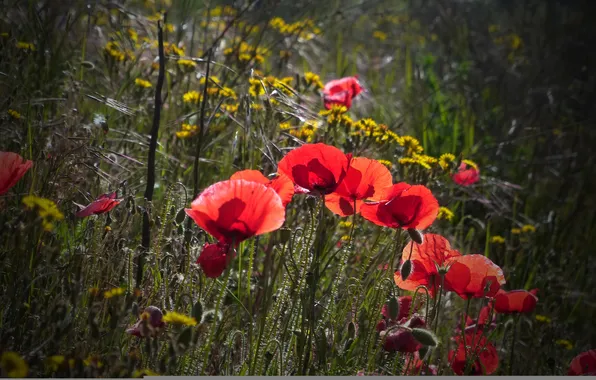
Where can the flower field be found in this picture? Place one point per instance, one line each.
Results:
(273, 187)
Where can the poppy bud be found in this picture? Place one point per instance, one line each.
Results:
(197, 311)
(426, 337)
(405, 270)
(285, 234)
(415, 235)
(393, 308)
(180, 216)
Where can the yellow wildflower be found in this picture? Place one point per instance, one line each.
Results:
(256, 87)
(515, 41)
(94, 291)
(142, 83)
(13, 364)
(179, 319)
(227, 92)
(411, 144)
(313, 79)
(134, 36)
(413, 161)
(336, 109)
(543, 318)
(25, 46)
(470, 163)
(169, 28)
(515, 231)
(345, 224)
(528, 228)
(54, 362)
(93, 360)
(256, 107)
(381, 36)
(186, 64)
(212, 79)
(143, 372)
(425, 158)
(231, 108)
(46, 209)
(497, 239)
(493, 28)
(14, 114)
(566, 344)
(192, 97)
(284, 126)
(386, 163)
(108, 229)
(445, 160)
(113, 293)
(445, 214)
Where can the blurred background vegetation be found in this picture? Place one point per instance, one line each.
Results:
(508, 84)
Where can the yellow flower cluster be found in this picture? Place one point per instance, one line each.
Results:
(14, 114)
(114, 292)
(187, 131)
(54, 362)
(142, 83)
(445, 214)
(311, 78)
(247, 52)
(306, 132)
(528, 228)
(470, 163)
(227, 92)
(192, 97)
(386, 163)
(114, 50)
(411, 145)
(186, 64)
(369, 128)
(25, 46)
(336, 116)
(566, 344)
(230, 108)
(305, 29)
(446, 160)
(283, 85)
(13, 365)
(543, 318)
(381, 36)
(256, 87)
(179, 319)
(497, 239)
(221, 11)
(46, 209)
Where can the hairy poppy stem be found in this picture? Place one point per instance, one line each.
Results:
(438, 307)
(513, 337)
(146, 237)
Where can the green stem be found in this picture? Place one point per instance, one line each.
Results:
(438, 307)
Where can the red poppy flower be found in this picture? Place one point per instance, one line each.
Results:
(12, 168)
(405, 304)
(103, 203)
(401, 340)
(282, 185)
(583, 364)
(473, 276)
(316, 168)
(427, 259)
(341, 91)
(483, 317)
(214, 259)
(479, 349)
(404, 206)
(155, 322)
(235, 210)
(516, 301)
(365, 179)
(466, 175)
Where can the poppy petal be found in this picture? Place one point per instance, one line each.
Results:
(251, 175)
(284, 187)
(341, 206)
(12, 168)
(515, 301)
(235, 210)
(482, 271)
(365, 179)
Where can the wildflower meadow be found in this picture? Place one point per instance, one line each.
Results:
(275, 187)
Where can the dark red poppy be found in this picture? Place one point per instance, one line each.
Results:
(483, 319)
(12, 168)
(405, 308)
(404, 206)
(103, 203)
(365, 179)
(282, 185)
(235, 210)
(341, 91)
(516, 301)
(477, 348)
(427, 259)
(473, 276)
(315, 168)
(149, 324)
(214, 259)
(466, 175)
(415, 366)
(583, 364)
(401, 340)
